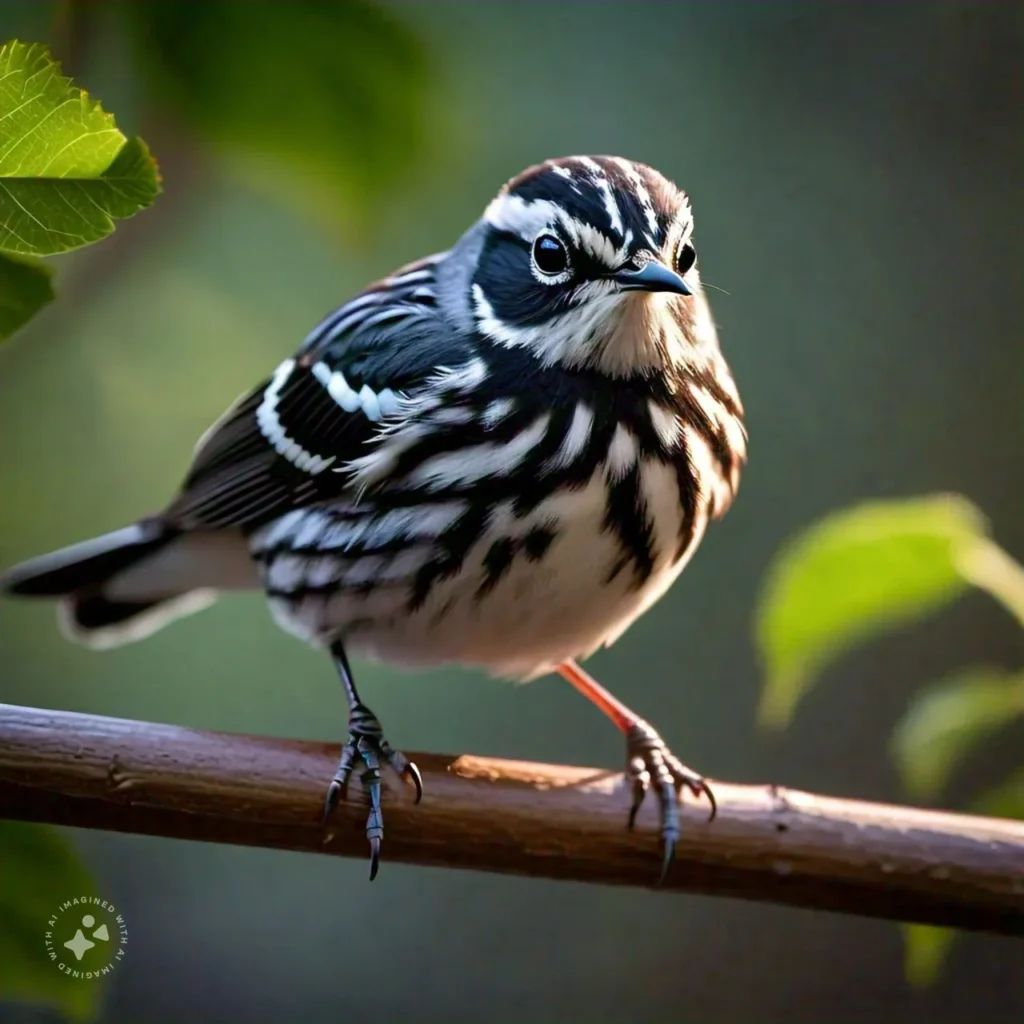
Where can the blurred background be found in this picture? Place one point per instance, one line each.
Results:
(855, 175)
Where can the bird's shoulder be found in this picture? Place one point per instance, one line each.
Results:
(285, 443)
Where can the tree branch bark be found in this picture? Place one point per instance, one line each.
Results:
(768, 843)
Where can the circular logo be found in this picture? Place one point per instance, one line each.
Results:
(86, 937)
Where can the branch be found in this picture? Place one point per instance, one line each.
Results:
(767, 843)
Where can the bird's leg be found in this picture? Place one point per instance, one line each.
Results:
(648, 760)
(366, 744)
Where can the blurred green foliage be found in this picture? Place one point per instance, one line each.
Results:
(331, 118)
(865, 571)
(925, 948)
(39, 869)
(1005, 800)
(853, 575)
(950, 718)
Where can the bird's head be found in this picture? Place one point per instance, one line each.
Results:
(588, 262)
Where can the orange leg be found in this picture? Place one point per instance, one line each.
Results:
(608, 704)
(647, 759)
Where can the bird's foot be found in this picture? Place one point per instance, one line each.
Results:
(649, 761)
(367, 746)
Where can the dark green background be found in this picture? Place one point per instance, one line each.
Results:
(855, 173)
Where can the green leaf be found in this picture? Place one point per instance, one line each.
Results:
(66, 172)
(925, 948)
(40, 871)
(25, 287)
(325, 104)
(854, 575)
(946, 720)
(990, 568)
(1005, 801)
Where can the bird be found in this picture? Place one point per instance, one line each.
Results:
(499, 456)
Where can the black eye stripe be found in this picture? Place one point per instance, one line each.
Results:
(512, 236)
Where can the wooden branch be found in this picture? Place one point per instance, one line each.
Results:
(767, 843)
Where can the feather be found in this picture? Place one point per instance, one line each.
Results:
(86, 564)
(97, 622)
(283, 445)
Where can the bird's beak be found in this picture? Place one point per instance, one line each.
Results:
(651, 277)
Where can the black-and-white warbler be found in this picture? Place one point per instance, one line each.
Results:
(499, 456)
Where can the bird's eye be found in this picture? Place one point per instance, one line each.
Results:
(550, 256)
(686, 256)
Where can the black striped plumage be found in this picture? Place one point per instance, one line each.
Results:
(500, 456)
(537, 389)
(453, 337)
(469, 386)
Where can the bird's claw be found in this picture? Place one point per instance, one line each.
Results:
(366, 743)
(649, 761)
(412, 774)
(374, 857)
(334, 791)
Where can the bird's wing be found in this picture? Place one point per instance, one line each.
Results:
(282, 445)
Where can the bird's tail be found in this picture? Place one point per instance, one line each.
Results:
(125, 585)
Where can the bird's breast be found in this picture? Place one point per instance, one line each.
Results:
(486, 584)
(512, 520)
